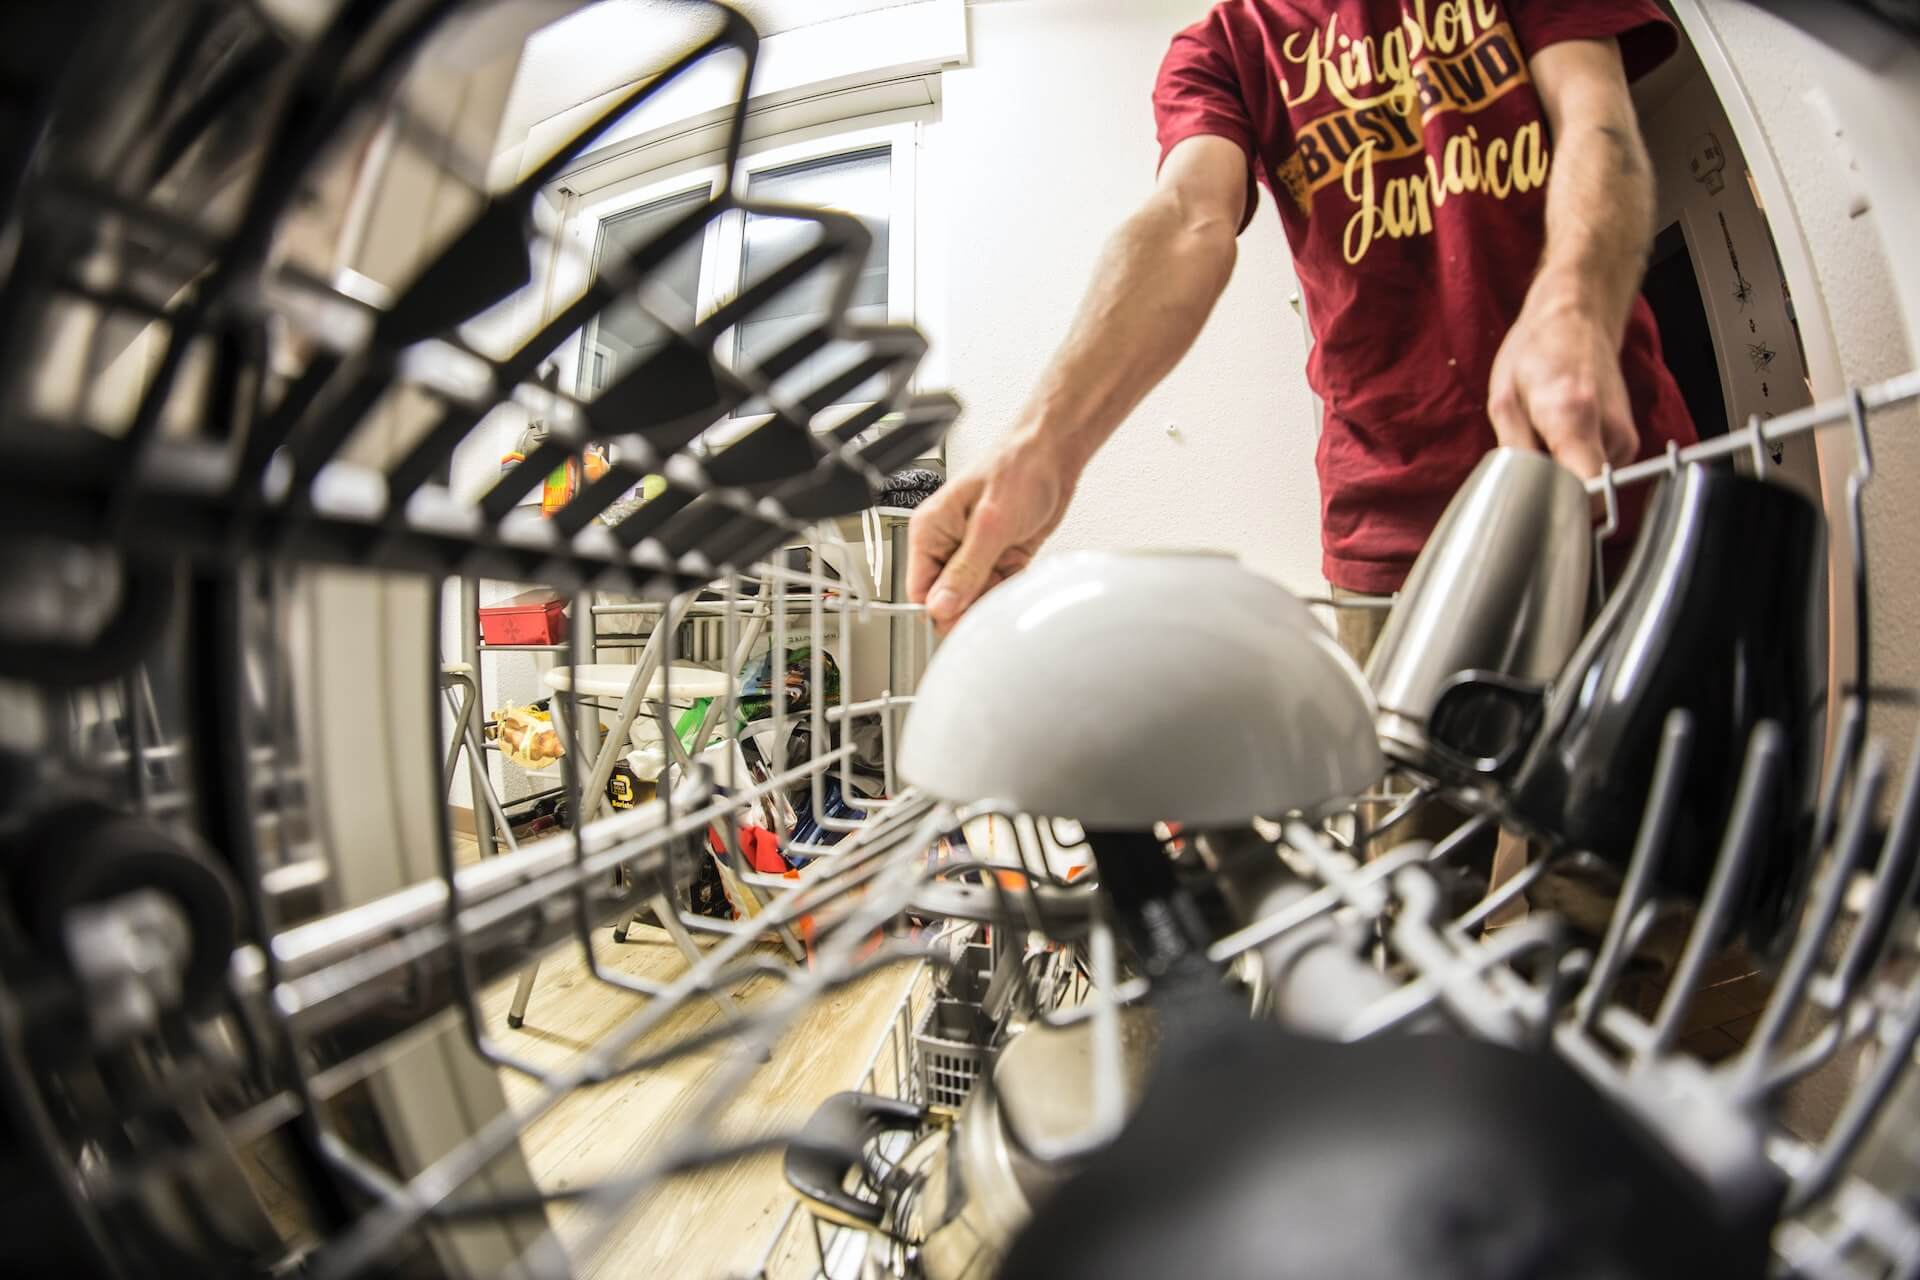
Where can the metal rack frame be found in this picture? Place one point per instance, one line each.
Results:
(289, 385)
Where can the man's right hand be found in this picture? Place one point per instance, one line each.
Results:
(985, 526)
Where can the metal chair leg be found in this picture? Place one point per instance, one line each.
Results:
(467, 738)
(517, 1011)
(623, 930)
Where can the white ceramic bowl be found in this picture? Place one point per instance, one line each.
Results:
(1124, 689)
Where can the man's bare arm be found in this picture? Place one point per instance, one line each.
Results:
(1557, 379)
(1156, 284)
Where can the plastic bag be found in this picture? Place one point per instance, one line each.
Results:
(527, 737)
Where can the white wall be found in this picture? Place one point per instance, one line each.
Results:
(815, 64)
(610, 45)
(1046, 142)
(1012, 217)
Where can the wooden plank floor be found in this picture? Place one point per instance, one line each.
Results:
(715, 1222)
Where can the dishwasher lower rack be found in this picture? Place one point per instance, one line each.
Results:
(978, 1002)
(941, 1037)
(348, 1084)
(806, 1246)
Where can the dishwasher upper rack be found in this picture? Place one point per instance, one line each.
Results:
(1846, 989)
(1842, 1204)
(1845, 1203)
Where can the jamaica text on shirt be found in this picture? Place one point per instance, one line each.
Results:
(1403, 206)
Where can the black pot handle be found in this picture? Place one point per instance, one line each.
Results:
(1458, 726)
(831, 1145)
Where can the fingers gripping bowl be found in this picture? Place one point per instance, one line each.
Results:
(1125, 689)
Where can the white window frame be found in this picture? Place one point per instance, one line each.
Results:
(722, 256)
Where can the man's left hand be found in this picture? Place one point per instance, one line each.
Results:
(1556, 384)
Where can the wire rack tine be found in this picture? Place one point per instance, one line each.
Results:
(1511, 891)
(593, 788)
(739, 650)
(378, 1230)
(1765, 754)
(466, 983)
(1863, 1107)
(1893, 888)
(1819, 920)
(778, 593)
(1421, 793)
(1650, 844)
(847, 668)
(1321, 900)
(311, 120)
(1337, 870)
(1460, 837)
(1857, 536)
(1826, 1044)
(1846, 751)
(1394, 1011)
(816, 699)
(1453, 967)
(1029, 845)
(1757, 444)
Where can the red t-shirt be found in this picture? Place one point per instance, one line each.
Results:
(1408, 153)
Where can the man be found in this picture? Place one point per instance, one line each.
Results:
(1469, 206)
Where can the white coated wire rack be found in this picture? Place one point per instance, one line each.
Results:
(226, 693)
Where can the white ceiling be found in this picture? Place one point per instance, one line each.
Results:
(606, 45)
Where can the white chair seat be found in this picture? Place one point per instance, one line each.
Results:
(610, 680)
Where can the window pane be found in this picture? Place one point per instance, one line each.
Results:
(860, 184)
(624, 333)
